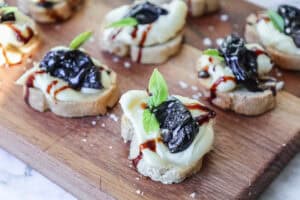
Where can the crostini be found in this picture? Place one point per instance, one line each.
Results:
(169, 134)
(279, 32)
(70, 83)
(147, 32)
(19, 36)
(196, 8)
(235, 77)
(49, 11)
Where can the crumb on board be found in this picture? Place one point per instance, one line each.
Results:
(116, 59)
(193, 195)
(127, 64)
(224, 17)
(94, 123)
(183, 84)
(207, 42)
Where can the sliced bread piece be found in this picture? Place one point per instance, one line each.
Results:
(282, 59)
(57, 12)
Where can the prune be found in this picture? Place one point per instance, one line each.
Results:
(177, 124)
(291, 17)
(242, 62)
(146, 13)
(73, 66)
(46, 4)
(8, 17)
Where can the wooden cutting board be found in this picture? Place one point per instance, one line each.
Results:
(90, 160)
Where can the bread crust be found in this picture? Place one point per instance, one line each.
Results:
(165, 175)
(155, 54)
(59, 12)
(38, 101)
(282, 59)
(242, 101)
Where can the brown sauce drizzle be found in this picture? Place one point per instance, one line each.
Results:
(150, 144)
(142, 42)
(113, 37)
(51, 85)
(56, 92)
(19, 35)
(134, 32)
(202, 118)
(30, 84)
(214, 87)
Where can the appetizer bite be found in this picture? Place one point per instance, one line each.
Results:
(149, 33)
(235, 77)
(49, 11)
(169, 134)
(18, 36)
(196, 8)
(70, 83)
(279, 32)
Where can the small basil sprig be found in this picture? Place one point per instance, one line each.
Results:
(8, 9)
(129, 21)
(79, 40)
(214, 53)
(276, 19)
(158, 90)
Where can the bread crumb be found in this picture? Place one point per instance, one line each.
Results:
(113, 117)
(283, 145)
(103, 125)
(219, 41)
(183, 84)
(137, 178)
(127, 65)
(94, 123)
(194, 88)
(207, 41)
(84, 140)
(193, 195)
(110, 147)
(116, 59)
(138, 191)
(224, 17)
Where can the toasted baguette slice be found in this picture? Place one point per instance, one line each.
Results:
(60, 11)
(146, 55)
(282, 59)
(23, 52)
(245, 102)
(165, 175)
(35, 98)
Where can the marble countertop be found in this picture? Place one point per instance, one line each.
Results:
(19, 182)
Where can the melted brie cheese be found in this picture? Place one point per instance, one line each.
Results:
(11, 47)
(131, 104)
(270, 36)
(162, 30)
(42, 81)
(218, 69)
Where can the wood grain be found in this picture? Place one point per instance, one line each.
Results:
(91, 161)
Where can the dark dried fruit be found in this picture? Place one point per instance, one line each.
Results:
(177, 124)
(242, 62)
(8, 17)
(73, 66)
(291, 17)
(46, 4)
(146, 13)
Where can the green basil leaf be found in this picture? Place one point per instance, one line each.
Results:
(8, 9)
(214, 53)
(158, 89)
(150, 122)
(129, 21)
(277, 20)
(80, 40)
